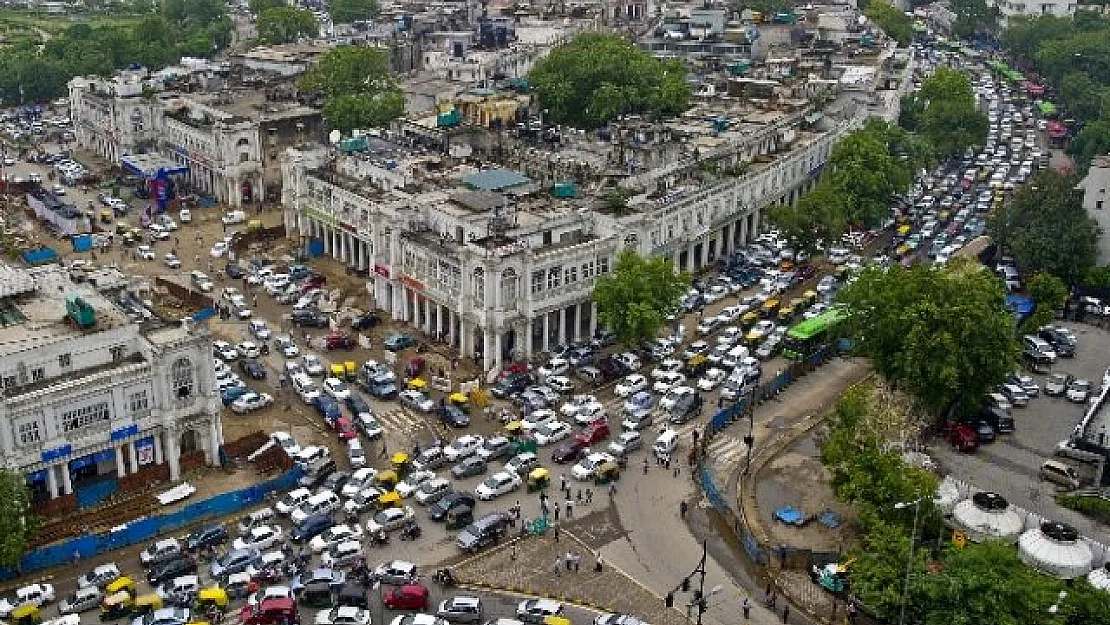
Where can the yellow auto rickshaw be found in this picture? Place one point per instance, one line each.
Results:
(121, 584)
(810, 297)
(389, 500)
(350, 371)
(387, 479)
(538, 479)
(147, 603)
(254, 225)
(514, 428)
(556, 620)
(608, 472)
(749, 318)
(213, 597)
(401, 462)
(904, 230)
(106, 216)
(769, 308)
(786, 313)
(417, 384)
(337, 371)
(122, 227)
(116, 606)
(26, 614)
(460, 400)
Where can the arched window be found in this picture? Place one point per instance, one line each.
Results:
(508, 287)
(480, 284)
(181, 378)
(243, 141)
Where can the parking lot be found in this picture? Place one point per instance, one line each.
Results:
(1010, 465)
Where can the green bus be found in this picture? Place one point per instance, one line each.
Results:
(807, 335)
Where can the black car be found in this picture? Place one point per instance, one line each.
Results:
(365, 322)
(451, 501)
(357, 404)
(1059, 341)
(234, 271)
(469, 467)
(686, 408)
(310, 318)
(984, 433)
(171, 569)
(253, 369)
(310, 528)
(512, 385)
(316, 476)
(998, 419)
(206, 536)
(336, 481)
(454, 416)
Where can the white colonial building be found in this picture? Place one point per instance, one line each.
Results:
(84, 404)
(492, 263)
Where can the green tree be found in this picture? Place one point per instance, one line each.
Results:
(974, 16)
(595, 77)
(347, 11)
(911, 112)
(258, 6)
(862, 167)
(1082, 96)
(896, 24)
(1050, 293)
(1024, 35)
(17, 522)
(634, 300)
(951, 122)
(1090, 142)
(357, 87)
(942, 334)
(286, 24)
(1046, 229)
(878, 568)
(818, 217)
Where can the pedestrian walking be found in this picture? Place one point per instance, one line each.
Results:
(682, 507)
(612, 489)
(570, 508)
(384, 450)
(570, 561)
(512, 554)
(785, 613)
(597, 564)
(557, 508)
(579, 496)
(850, 611)
(577, 561)
(555, 533)
(558, 565)
(745, 607)
(589, 496)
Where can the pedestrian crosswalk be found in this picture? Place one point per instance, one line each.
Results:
(726, 449)
(400, 420)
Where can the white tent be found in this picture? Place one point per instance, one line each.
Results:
(1100, 577)
(948, 495)
(987, 516)
(1055, 549)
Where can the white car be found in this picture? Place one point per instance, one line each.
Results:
(218, 249)
(590, 414)
(259, 329)
(1078, 391)
(292, 500)
(251, 401)
(630, 385)
(586, 469)
(172, 261)
(463, 447)
(333, 536)
(538, 418)
(312, 365)
(145, 252)
(712, 379)
(626, 443)
(224, 351)
(432, 490)
(552, 432)
(260, 538)
(407, 487)
(360, 479)
(287, 347)
(343, 615)
(500, 483)
(670, 365)
(36, 594)
(576, 403)
(249, 349)
(668, 381)
(730, 336)
(672, 397)
(269, 592)
(390, 519)
(416, 400)
(337, 388)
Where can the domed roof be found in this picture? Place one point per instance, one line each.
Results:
(1100, 577)
(1055, 549)
(986, 516)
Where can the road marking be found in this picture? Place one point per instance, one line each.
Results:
(726, 449)
(398, 419)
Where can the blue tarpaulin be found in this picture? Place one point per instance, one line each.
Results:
(82, 242)
(790, 515)
(40, 256)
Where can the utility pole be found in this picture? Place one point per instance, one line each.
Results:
(699, 600)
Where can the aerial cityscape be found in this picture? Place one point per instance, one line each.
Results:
(609, 312)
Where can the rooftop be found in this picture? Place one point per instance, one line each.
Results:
(495, 179)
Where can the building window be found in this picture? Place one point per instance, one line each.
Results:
(10, 381)
(118, 352)
(1098, 205)
(38, 373)
(554, 277)
(602, 266)
(29, 433)
(181, 378)
(508, 288)
(73, 420)
(587, 270)
(480, 284)
(65, 361)
(138, 402)
(537, 281)
(571, 275)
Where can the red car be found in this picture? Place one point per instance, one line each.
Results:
(407, 597)
(593, 433)
(274, 611)
(961, 436)
(345, 428)
(338, 341)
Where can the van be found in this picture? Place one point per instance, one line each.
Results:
(665, 444)
(1059, 473)
(263, 516)
(324, 502)
(305, 387)
(234, 217)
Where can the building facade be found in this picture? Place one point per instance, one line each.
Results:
(83, 405)
(1097, 203)
(501, 281)
(128, 115)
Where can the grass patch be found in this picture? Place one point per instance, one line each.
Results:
(1090, 505)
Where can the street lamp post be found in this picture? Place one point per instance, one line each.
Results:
(909, 561)
(699, 600)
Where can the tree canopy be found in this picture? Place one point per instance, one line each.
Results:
(942, 334)
(974, 16)
(819, 216)
(592, 79)
(1092, 141)
(949, 118)
(286, 24)
(1050, 293)
(347, 11)
(16, 522)
(635, 298)
(1045, 228)
(896, 24)
(358, 90)
(863, 168)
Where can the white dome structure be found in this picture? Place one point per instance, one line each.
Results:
(987, 516)
(1100, 577)
(1055, 549)
(948, 495)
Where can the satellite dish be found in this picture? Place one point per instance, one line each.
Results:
(334, 136)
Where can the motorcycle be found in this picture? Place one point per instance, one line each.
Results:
(379, 539)
(444, 577)
(411, 531)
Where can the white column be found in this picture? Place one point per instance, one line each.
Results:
(159, 456)
(173, 456)
(52, 480)
(214, 443)
(527, 338)
(441, 321)
(546, 332)
(705, 252)
(67, 479)
(487, 352)
(427, 316)
(498, 350)
(562, 326)
(450, 325)
(593, 319)
(120, 469)
(133, 456)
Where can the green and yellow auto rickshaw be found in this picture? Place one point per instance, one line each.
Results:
(538, 479)
(459, 517)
